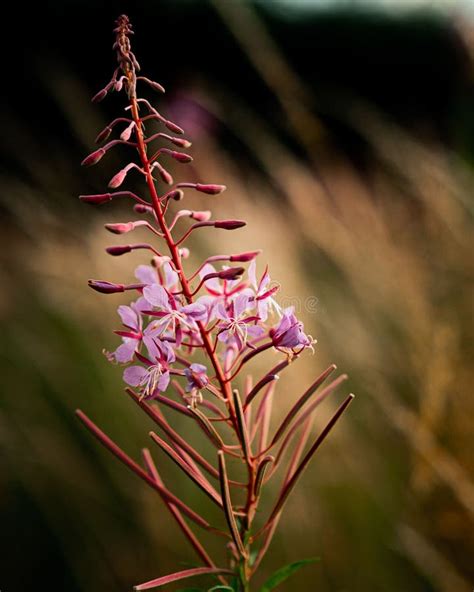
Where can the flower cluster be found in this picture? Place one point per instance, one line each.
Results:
(188, 335)
(160, 325)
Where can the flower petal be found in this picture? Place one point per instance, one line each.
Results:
(157, 296)
(134, 375)
(124, 353)
(129, 317)
(146, 274)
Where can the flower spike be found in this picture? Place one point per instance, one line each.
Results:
(187, 337)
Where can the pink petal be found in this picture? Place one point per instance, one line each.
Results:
(252, 273)
(146, 274)
(171, 277)
(129, 317)
(124, 353)
(157, 296)
(134, 375)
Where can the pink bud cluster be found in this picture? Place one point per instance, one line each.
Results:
(195, 331)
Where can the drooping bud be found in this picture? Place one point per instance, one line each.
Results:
(181, 142)
(106, 287)
(165, 176)
(154, 85)
(100, 96)
(229, 224)
(201, 216)
(142, 209)
(118, 179)
(231, 273)
(104, 134)
(173, 127)
(96, 199)
(119, 84)
(245, 257)
(120, 227)
(127, 132)
(93, 158)
(176, 194)
(179, 156)
(118, 250)
(210, 189)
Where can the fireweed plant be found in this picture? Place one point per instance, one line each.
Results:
(193, 333)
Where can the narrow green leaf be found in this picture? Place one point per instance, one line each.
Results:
(225, 588)
(285, 572)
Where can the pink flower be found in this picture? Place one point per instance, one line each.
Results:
(263, 293)
(236, 326)
(164, 275)
(172, 316)
(197, 377)
(152, 379)
(131, 340)
(289, 332)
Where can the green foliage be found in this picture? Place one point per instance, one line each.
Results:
(284, 573)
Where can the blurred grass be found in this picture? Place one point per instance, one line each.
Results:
(387, 257)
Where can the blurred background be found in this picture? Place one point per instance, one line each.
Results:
(345, 134)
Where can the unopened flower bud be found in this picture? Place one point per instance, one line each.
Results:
(99, 96)
(120, 227)
(142, 209)
(93, 158)
(118, 179)
(154, 85)
(180, 156)
(229, 224)
(202, 216)
(181, 142)
(104, 134)
(231, 273)
(119, 85)
(165, 176)
(127, 132)
(184, 252)
(176, 194)
(96, 199)
(106, 287)
(173, 127)
(210, 189)
(118, 250)
(244, 257)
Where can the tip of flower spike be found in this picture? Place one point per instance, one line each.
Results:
(93, 158)
(106, 287)
(229, 224)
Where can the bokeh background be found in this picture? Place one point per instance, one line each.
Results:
(345, 134)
